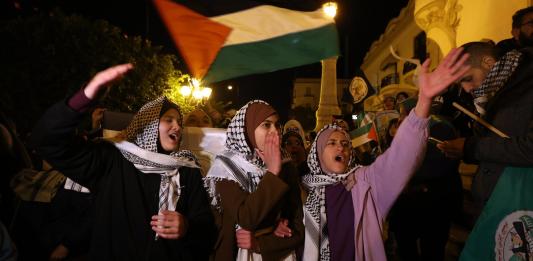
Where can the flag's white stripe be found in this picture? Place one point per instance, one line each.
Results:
(357, 141)
(266, 21)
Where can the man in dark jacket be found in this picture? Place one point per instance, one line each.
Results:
(502, 88)
(150, 203)
(522, 31)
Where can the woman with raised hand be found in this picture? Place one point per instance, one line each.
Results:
(255, 193)
(150, 203)
(347, 204)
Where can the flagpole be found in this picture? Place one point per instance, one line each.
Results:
(480, 120)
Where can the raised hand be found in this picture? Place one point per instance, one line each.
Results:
(283, 230)
(104, 78)
(271, 156)
(433, 83)
(169, 224)
(448, 71)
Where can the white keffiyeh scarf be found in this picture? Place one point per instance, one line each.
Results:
(140, 148)
(240, 162)
(316, 246)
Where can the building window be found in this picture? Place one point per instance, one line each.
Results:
(420, 49)
(308, 92)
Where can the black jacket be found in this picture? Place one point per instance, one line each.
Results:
(511, 111)
(125, 198)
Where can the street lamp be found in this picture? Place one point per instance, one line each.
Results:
(330, 9)
(328, 104)
(194, 91)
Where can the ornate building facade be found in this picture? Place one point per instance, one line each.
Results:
(431, 28)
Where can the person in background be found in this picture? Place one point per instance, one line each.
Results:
(295, 126)
(422, 215)
(198, 118)
(401, 96)
(389, 103)
(522, 31)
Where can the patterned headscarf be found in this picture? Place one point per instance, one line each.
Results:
(496, 79)
(316, 235)
(242, 164)
(140, 148)
(236, 136)
(295, 126)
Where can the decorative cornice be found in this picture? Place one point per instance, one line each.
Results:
(439, 13)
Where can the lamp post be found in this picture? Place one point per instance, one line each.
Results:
(194, 93)
(328, 104)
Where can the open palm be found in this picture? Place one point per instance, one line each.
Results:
(106, 77)
(448, 71)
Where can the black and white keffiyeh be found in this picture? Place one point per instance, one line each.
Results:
(140, 148)
(238, 162)
(316, 235)
(496, 79)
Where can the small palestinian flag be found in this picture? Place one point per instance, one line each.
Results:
(363, 135)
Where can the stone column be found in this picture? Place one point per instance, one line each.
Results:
(328, 104)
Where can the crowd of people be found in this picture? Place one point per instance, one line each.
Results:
(271, 193)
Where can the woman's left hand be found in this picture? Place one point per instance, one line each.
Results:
(283, 230)
(433, 83)
(448, 71)
(169, 224)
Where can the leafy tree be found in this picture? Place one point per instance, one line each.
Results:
(47, 57)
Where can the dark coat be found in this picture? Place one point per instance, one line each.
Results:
(125, 198)
(275, 196)
(511, 111)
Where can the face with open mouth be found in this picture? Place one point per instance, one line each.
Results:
(336, 154)
(170, 130)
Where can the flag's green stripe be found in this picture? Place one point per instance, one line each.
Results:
(274, 54)
(360, 131)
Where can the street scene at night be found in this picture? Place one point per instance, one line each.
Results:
(266, 130)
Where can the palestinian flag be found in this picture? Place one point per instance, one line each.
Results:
(504, 231)
(363, 135)
(222, 39)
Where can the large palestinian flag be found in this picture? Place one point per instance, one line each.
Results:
(222, 39)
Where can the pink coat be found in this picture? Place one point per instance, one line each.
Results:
(379, 185)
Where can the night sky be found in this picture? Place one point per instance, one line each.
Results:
(360, 22)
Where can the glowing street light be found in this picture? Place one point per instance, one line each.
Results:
(230, 87)
(195, 91)
(330, 9)
(206, 92)
(185, 91)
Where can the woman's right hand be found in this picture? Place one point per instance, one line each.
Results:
(271, 156)
(246, 239)
(104, 78)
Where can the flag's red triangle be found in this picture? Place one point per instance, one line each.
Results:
(197, 37)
